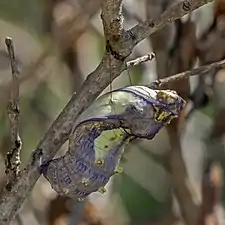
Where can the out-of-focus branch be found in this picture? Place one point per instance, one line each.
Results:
(212, 184)
(68, 26)
(109, 68)
(150, 26)
(12, 160)
(28, 73)
(184, 193)
(19, 220)
(129, 15)
(70, 29)
(169, 44)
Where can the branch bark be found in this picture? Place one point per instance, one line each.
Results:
(202, 70)
(12, 160)
(12, 197)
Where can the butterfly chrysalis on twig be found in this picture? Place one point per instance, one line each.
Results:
(98, 138)
(100, 135)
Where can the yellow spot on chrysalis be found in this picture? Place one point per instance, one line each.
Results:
(160, 115)
(100, 162)
(118, 169)
(102, 190)
(167, 123)
(166, 96)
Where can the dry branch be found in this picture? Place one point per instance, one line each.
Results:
(109, 68)
(12, 160)
(202, 70)
(139, 60)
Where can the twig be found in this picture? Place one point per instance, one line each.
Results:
(11, 200)
(202, 70)
(12, 160)
(145, 58)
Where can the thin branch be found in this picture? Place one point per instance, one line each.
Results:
(139, 60)
(109, 68)
(70, 31)
(202, 70)
(13, 157)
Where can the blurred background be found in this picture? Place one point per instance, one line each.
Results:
(58, 43)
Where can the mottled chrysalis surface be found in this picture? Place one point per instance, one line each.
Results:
(101, 133)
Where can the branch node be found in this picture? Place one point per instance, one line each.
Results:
(186, 6)
(37, 157)
(115, 54)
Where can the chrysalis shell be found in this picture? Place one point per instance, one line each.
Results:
(98, 139)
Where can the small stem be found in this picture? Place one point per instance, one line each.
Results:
(200, 71)
(136, 62)
(12, 160)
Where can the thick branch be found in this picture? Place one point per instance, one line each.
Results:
(12, 198)
(112, 18)
(13, 157)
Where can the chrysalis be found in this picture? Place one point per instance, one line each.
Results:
(98, 139)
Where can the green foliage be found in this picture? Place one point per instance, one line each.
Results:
(27, 13)
(138, 202)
